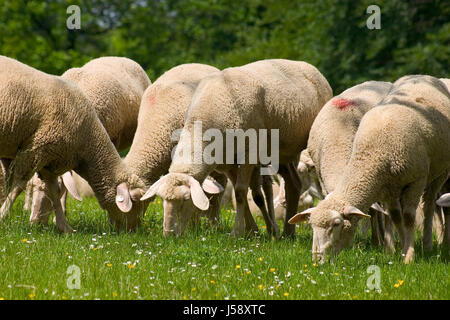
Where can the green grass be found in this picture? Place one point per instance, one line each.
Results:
(202, 264)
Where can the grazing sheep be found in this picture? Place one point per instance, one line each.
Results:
(270, 94)
(162, 112)
(49, 126)
(400, 152)
(114, 85)
(331, 139)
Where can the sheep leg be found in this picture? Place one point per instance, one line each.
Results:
(292, 189)
(388, 235)
(395, 217)
(376, 233)
(265, 204)
(410, 199)
(28, 196)
(11, 191)
(54, 191)
(268, 192)
(429, 207)
(239, 223)
(438, 225)
(63, 201)
(9, 201)
(241, 190)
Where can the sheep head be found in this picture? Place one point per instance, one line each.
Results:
(125, 207)
(334, 224)
(182, 195)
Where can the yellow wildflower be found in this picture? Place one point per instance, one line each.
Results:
(31, 295)
(272, 269)
(286, 294)
(238, 266)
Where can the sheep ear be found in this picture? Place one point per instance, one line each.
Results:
(151, 192)
(123, 198)
(301, 216)
(350, 211)
(212, 186)
(378, 208)
(70, 185)
(198, 197)
(444, 200)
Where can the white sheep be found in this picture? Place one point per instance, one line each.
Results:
(331, 139)
(115, 86)
(49, 126)
(163, 108)
(269, 94)
(400, 152)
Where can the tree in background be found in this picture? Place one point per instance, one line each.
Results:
(159, 34)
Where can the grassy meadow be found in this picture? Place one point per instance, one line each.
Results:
(202, 264)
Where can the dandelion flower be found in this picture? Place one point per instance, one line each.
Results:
(212, 282)
(272, 269)
(261, 287)
(131, 266)
(238, 266)
(260, 259)
(286, 294)
(31, 295)
(109, 265)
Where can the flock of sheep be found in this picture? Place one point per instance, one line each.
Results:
(378, 150)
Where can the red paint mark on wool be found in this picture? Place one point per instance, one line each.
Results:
(152, 100)
(343, 104)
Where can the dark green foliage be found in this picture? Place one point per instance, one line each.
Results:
(159, 34)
